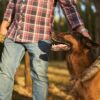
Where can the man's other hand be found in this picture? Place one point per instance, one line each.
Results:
(82, 30)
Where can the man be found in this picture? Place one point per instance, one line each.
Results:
(30, 30)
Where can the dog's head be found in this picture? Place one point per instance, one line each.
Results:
(74, 41)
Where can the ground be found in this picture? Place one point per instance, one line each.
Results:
(58, 81)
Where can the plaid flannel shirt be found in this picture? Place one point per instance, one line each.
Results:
(33, 18)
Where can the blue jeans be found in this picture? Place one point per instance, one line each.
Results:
(12, 54)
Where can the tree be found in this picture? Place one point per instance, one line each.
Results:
(97, 36)
(3, 4)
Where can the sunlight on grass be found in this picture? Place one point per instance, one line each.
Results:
(58, 76)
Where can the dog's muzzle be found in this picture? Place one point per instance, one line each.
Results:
(60, 45)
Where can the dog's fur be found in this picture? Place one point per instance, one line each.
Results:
(79, 59)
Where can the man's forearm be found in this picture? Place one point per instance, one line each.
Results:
(71, 13)
(8, 14)
(3, 30)
(5, 24)
(81, 29)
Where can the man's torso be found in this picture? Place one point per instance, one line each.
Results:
(32, 20)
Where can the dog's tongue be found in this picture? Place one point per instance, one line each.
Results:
(59, 47)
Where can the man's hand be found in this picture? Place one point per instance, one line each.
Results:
(3, 30)
(86, 34)
(83, 31)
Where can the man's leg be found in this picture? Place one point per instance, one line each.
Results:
(39, 66)
(11, 56)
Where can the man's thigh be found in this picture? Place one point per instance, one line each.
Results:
(39, 54)
(11, 57)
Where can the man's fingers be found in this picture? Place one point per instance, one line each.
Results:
(86, 34)
(2, 38)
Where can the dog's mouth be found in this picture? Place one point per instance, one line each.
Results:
(58, 45)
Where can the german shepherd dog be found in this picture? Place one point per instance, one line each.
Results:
(81, 64)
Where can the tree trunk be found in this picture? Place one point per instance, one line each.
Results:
(97, 3)
(28, 81)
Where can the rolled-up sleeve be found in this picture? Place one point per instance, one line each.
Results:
(71, 13)
(9, 10)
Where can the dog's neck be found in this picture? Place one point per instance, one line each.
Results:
(79, 63)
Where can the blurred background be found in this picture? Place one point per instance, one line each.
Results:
(57, 72)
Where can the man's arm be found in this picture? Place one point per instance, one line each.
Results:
(73, 16)
(7, 17)
(9, 11)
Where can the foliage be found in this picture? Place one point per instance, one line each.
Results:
(3, 4)
(88, 14)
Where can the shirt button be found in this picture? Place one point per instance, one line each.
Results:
(22, 15)
(17, 37)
